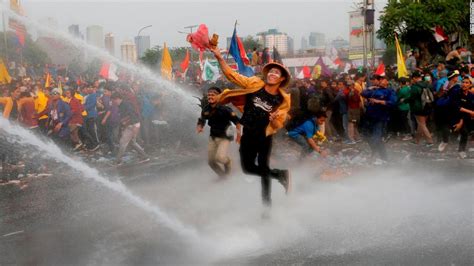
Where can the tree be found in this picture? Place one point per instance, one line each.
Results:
(413, 21)
(250, 43)
(152, 57)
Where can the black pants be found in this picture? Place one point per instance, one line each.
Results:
(254, 145)
(91, 132)
(464, 132)
(442, 122)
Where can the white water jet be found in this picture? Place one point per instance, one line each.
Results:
(104, 55)
(52, 151)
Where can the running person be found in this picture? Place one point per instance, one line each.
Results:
(219, 118)
(264, 105)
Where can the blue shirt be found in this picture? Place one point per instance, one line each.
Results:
(380, 111)
(91, 105)
(307, 129)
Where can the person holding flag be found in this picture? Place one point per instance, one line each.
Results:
(264, 105)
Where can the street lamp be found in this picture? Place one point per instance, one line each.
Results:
(138, 41)
(140, 30)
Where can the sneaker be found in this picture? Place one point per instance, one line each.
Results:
(387, 138)
(358, 140)
(285, 180)
(442, 146)
(379, 162)
(228, 167)
(407, 137)
(144, 160)
(95, 148)
(349, 142)
(429, 145)
(77, 147)
(462, 155)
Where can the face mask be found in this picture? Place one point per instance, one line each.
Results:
(427, 78)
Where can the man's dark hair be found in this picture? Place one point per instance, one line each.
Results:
(116, 95)
(320, 114)
(217, 89)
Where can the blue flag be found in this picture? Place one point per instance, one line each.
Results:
(236, 54)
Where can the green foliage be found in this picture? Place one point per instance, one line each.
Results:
(249, 43)
(389, 57)
(414, 19)
(152, 57)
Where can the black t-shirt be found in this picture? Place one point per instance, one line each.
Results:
(257, 109)
(219, 119)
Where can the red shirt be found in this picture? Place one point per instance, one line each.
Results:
(353, 100)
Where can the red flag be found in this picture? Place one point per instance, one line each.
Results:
(243, 55)
(380, 69)
(184, 65)
(104, 70)
(439, 34)
(306, 72)
(338, 62)
(107, 71)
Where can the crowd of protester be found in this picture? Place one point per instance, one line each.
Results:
(428, 107)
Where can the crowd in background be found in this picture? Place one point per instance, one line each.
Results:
(428, 107)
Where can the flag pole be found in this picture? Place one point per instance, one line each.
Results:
(228, 50)
(5, 36)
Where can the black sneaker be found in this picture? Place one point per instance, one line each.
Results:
(144, 160)
(95, 148)
(285, 180)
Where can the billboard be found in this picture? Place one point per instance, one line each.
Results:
(356, 32)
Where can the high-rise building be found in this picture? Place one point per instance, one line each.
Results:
(291, 46)
(142, 43)
(304, 43)
(273, 37)
(110, 43)
(340, 43)
(317, 40)
(74, 31)
(95, 36)
(129, 51)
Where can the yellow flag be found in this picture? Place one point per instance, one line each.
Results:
(4, 76)
(60, 87)
(166, 64)
(402, 69)
(15, 6)
(47, 82)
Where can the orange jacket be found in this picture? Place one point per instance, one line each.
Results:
(251, 85)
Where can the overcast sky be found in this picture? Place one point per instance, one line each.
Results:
(125, 18)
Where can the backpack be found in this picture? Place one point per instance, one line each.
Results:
(427, 97)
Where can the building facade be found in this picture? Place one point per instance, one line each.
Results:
(95, 36)
(274, 38)
(142, 43)
(109, 42)
(129, 52)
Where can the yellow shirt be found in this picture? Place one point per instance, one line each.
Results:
(41, 102)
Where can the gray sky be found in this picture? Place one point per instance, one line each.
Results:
(125, 18)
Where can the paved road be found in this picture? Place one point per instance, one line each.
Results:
(403, 214)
